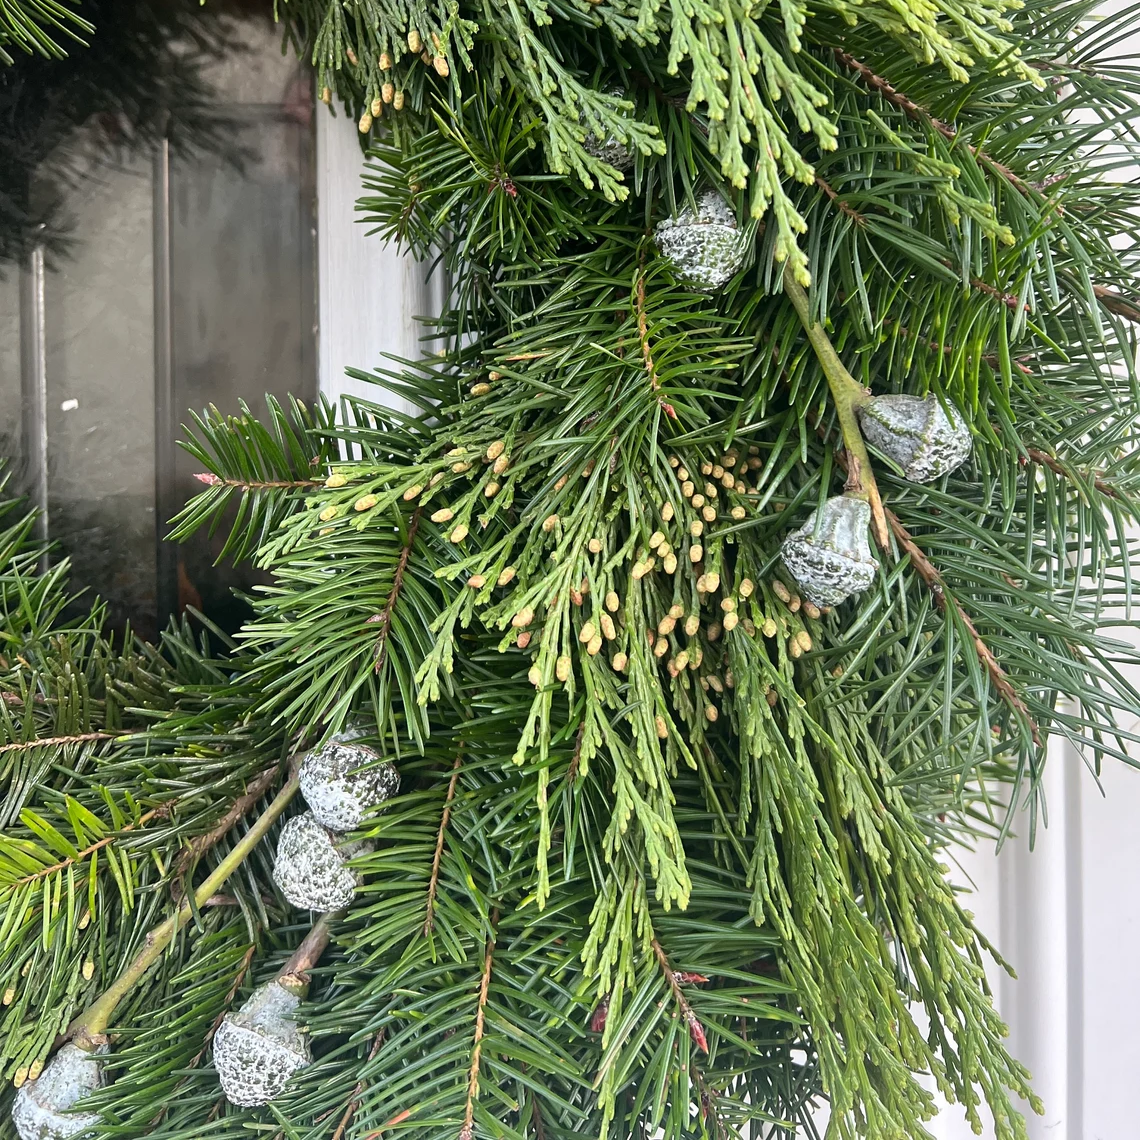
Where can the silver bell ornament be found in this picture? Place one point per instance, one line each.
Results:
(829, 556)
(258, 1048)
(609, 149)
(310, 868)
(342, 779)
(43, 1108)
(917, 433)
(705, 247)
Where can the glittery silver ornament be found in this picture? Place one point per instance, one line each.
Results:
(917, 434)
(706, 247)
(258, 1049)
(608, 149)
(342, 779)
(42, 1108)
(832, 560)
(310, 867)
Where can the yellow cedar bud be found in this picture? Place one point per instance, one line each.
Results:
(698, 500)
(738, 513)
(711, 713)
(795, 649)
(329, 513)
(620, 661)
(662, 727)
(444, 514)
(459, 533)
(674, 461)
(424, 57)
(709, 514)
(523, 618)
(682, 473)
(781, 591)
(703, 584)
(696, 552)
(640, 569)
(712, 581)
(440, 65)
(696, 528)
(812, 611)
(795, 603)
(768, 629)
(388, 92)
(377, 107)
(523, 639)
(326, 95)
(710, 490)
(562, 668)
(746, 587)
(506, 576)
(20, 1076)
(587, 632)
(749, 627)
(666, 625)
(491, 490)
(661, 648)
(692, 624)
(88, 970)
(727, 481)
(803, 639)
(385, 61)
(727, 604)
(730, 620)
(351, 56)
(501, 464)
(435, 479)
(612, 601)
(837, 671)
(588, 470)
(480, 389)
(667, 512)
(609, 630)
(706, 468)
(336, 479)
(595, 546)
(715, 683)
(414, 41)
(595, 645)
(676, 611)
(716, 471)
(687, 489)
(575, 596)
(460, 467)
(714, 631)
(398, 101)
(681, 660)
(412, 492)
(656, 539)
(495, 449)
(696, 658)
(549, 523)
(476, 581)
(9, 995)
(365, 124)
(534, 676)
(670, 563)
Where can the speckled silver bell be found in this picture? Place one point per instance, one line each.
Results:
(706, 247)
(833, 560)
(258, 1049)
(310, 867)
(337, 792)
(917, 434)
(608, 149)
(41, 1110)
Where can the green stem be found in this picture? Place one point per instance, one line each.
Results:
(93, 1022)
(848, 395)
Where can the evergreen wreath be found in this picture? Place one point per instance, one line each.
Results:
(765, 516)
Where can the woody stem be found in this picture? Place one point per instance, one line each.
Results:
(848, 395)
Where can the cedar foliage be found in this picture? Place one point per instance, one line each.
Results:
(624, 888)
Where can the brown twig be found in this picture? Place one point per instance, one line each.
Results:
(842, 206)
(575, 760)
(696, 1030)
(194, 850)
(646, 352)
(377, 1041)
(1009, 300)
(380, 654)
(467, 1132)
(1056, 466)
(294, 975)
(892, 95)
(212, 480)
(1117, 304)
(433, 884)
(990, 358)
(52, 741)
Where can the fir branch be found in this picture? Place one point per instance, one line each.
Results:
(467, 1132)
(437, 857)
(840, 204)
(919, 114)
(56, 741)
(1057, 467)
(1115, 303)
(646, 352)
(384, 618)
(929, 573)
(688, 1014)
